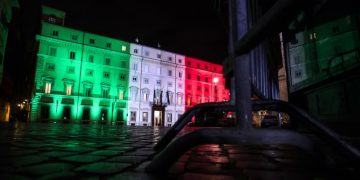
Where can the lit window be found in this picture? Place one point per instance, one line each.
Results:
(47, 88)
(68, 90)
(179, 98)
(52, 52)
(170, 97)
(145, 116)
(108, 45)
(72, 55)
(123, 48)
(121, 94)
(146, 93)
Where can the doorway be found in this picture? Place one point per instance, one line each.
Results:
(158, 116)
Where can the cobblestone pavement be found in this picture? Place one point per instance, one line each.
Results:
(75, 151)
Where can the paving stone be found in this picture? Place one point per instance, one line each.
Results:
(47, 168)
(103, 168)
(205, 168)
(83, 158)
(106, 153)
(198, 176)
(25, 160)
(140, 153)
(128, 159)
(212, 159)
(177, 168)
(59, 175)
(58, 153)
(121, 148)
(137, 176)
(256, 165)
(278, 175)
(246, 157)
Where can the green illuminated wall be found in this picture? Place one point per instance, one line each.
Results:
(67, 57)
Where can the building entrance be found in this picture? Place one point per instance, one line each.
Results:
(158, 116)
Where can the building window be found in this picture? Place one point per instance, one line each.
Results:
(189, 76)
(47, 87)
(206, 79)
(145, 116)
(146, 53)
(108, 45)
(89, 72)
(50, 66)
(52, 52)
(206, 89)
(68, 89)
(123, 64)
(107, 75)
(92, 41)
(55, 33)
(206, 67)
(169, 84)
(170, 97)
(107, 61)
(158, 82)
(158, 56)
(70, 69)
(123, 48)
(199, 88)
(158, 70)
(122, 76)
(134, 79)
(198, 65)
(146, 68)
(135, 51)
(146, 80)
(157, 97)
(121, 93)
(180, 74)
(169, 117)
(198, 77)
(145, 94)
(132, 115)
(169, 58)
(189, 63)
(180, 85)
(180, 61)
(179, 99)
(133, 93)
(91, 58)
(87, 88)
(74, 37)
(188, 100)
(188, 86)
(199, 99)
(170, 72)
(72, 55)
(135, 66)
(105, 92)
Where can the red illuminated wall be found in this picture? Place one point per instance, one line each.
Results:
(203, 83)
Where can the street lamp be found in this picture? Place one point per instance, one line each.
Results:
(215, 81)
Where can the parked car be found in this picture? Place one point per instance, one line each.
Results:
(270, 121)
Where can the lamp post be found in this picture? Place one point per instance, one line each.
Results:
(215, 81)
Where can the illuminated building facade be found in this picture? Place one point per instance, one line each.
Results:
(83, 77)
(204, 83)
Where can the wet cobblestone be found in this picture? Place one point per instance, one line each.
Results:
(73, 151)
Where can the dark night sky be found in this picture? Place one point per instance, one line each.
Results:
(197, 28)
